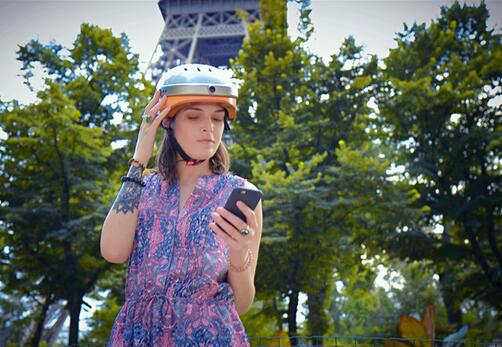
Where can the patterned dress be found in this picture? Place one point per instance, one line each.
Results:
(176, 291)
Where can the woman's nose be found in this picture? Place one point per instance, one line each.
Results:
(208, 126)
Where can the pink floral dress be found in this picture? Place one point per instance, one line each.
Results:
(176, 291)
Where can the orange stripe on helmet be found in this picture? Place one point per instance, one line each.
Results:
(177, 102)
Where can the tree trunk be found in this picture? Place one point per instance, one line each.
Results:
(292, 308)
(74, 306)
(35, 341)
(448, 292)
(278, 313)
(317, 317)
(451, 302)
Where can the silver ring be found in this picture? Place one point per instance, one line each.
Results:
(146, 117)
(244, 231)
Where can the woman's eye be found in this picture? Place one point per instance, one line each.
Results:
(197, 117)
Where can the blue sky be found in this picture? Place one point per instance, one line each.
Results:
(373, 23)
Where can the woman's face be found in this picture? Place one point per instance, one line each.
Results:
(197, 123)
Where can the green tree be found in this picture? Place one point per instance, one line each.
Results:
(359, 308)
(362, 307)
(439, 107)
(57, 166)
(269, 64)
(101, 322)
(302, 127)
(53, 189)
(109, 292)
(13, 325)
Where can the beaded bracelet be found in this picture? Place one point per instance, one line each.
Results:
(132, 160)
(132, 179)
(246, 264)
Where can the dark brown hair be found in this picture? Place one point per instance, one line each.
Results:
(219, 163)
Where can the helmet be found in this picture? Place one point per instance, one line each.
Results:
(189, 83)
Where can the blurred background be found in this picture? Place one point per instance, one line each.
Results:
(372, 127)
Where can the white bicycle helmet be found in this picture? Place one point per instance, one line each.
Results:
(195, 83)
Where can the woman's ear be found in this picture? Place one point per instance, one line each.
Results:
(167, 123)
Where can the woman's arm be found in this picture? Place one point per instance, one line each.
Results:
(242, 283)
(226, 225)
(117, 234)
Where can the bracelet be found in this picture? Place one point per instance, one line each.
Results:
(132, 160)
(249, 259)
(132, 179)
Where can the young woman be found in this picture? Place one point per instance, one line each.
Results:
(191, 263)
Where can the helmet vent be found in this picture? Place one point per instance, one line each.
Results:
(198, 69)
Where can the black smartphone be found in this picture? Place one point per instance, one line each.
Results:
(250, 197)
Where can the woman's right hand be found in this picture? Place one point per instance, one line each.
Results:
(147, 131)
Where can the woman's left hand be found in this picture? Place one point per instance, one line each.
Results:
(228, 229)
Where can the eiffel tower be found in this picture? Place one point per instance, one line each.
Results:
(200, 31)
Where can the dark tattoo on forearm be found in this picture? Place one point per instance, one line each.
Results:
(128, 198)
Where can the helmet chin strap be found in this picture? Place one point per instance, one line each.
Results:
(177, 147)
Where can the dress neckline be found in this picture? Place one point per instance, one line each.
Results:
(200, 185)
(200, 180)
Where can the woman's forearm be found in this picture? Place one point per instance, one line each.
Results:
(242, 286)
(119, 227)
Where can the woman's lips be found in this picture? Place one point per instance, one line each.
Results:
(206, 143)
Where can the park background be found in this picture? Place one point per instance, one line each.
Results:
(381, 173)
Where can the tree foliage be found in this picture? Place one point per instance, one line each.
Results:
(365, 163)
(439, 100)
(328, 197)
(59, 170)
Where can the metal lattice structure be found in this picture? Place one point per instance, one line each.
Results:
(200, 31)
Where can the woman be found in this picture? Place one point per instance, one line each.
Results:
(191, 263)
